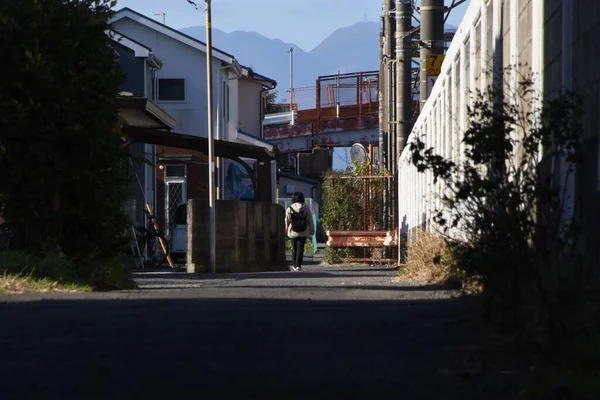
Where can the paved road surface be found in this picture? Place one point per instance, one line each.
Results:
(323, 333)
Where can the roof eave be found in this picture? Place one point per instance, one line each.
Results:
(168, 31)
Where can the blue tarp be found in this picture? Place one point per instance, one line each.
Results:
(236, 190)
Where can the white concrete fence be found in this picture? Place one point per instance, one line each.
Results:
(493, 35)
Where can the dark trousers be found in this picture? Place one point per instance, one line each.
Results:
(298, 251)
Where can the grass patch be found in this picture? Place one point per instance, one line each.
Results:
(17, 284)
(22, 272)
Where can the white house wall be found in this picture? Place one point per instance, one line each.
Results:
(250, 107)
(233, 122)
(182, 61)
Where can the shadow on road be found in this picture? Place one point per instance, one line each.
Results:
(147, 286)
(321, 273)
(241, 348)
(248, 276)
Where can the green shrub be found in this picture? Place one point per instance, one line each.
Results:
(513, 236)
(507, 222)
(53, 266)
(62, 207)
(308, 246)
(56, 97)
(98, 272)
(336, 255)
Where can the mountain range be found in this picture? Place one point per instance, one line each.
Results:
(351, 49)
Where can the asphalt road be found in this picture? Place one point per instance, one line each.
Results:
(322, 333)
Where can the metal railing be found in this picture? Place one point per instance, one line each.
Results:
(351, 95)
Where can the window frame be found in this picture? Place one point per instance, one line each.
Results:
(175, 177)
(159, 100)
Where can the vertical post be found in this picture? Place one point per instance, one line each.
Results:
(432, 39)
(403, 77)
(371, 158)
(359, 98)
(292, 84)
(164, 17)
(318, 107)
(365, 205)
(382, 91)
(211, 145)
(369, 188)
(337, 95)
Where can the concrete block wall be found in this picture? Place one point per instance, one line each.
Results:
(250, 236)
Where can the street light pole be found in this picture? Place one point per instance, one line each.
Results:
(292, 84)
(211, 144)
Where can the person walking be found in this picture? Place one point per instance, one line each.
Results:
(298, 226)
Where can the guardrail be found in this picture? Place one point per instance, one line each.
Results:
(281, 118)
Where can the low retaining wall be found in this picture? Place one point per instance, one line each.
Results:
(250, 236)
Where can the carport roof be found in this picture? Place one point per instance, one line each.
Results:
(222, 148)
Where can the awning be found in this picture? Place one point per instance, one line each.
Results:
(143, 113)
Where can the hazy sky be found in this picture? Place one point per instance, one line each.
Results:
(302, 22)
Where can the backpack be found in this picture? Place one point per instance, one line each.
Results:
(299, 223)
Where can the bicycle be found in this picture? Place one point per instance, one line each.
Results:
(146, 238)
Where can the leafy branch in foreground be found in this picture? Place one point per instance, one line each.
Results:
(507, 219)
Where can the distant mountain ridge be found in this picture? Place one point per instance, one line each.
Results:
(351, 49)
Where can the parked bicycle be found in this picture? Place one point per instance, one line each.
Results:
(149, 238)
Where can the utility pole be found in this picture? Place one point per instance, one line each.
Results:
(292, 84)
(404, 99)
(390, 45)
(164, 17)
(432, 45)
(381, 91)
(211, 144)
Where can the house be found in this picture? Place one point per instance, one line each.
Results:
(180, 88)
(137, 108)
(288, 184)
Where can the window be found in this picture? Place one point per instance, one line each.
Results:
(175, 171)
(225, 99)
(171, 90)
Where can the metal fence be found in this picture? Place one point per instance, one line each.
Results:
(362, 213)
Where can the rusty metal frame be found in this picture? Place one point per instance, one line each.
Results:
(369, 260)
(366, 239)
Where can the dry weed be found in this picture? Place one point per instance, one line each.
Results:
(428, 260)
